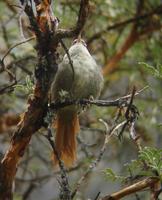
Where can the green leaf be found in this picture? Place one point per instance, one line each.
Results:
(155, 71)
(153, 158)
(110, 175)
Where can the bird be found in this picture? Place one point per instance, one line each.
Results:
(78, 77)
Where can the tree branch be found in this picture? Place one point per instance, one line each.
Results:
(148, 182)
(122, 101)
(135, 19)
(83, 13)
(33, 117)
(134, 36)
(45, 29)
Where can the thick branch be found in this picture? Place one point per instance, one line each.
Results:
(83, 13)
(33, 117)
(114, 60)
(44, 26)
(148, 182)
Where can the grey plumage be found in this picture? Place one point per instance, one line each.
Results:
(87, 81)
(82, 81)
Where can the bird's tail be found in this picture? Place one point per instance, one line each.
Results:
(67, 126)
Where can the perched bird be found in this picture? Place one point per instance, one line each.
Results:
(82, 79)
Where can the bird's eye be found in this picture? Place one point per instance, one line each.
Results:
(75, 41)
(79, 41)
(83, 42)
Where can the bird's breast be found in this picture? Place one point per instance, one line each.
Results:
(80, 80)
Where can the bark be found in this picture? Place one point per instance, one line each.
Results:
(44, 25)
(148, 182)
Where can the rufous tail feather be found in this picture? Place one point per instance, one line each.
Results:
(67, 126)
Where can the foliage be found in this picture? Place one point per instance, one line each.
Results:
(152, 157)
(111, 175)
(155, 71)
(27, 88)
(148, 163)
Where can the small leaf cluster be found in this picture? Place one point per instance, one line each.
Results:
(148, 163)
(111, 175)
(155, 71)
(153, 159)
(27, 88)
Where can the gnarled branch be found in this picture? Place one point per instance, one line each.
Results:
(47, 43)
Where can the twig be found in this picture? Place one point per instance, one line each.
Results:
(35, 179)
(84, 147)
(6, 88)
(130, 103)
(65, 188)
(108, 135)
(97, 196)
(4, 68)
(83, 13)
(28, 191)
(20, 21)
(131, 176)
(122, 101)
(15, 45)
(125, 22)
(128, 114)
(136, 93)
(20, 64)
